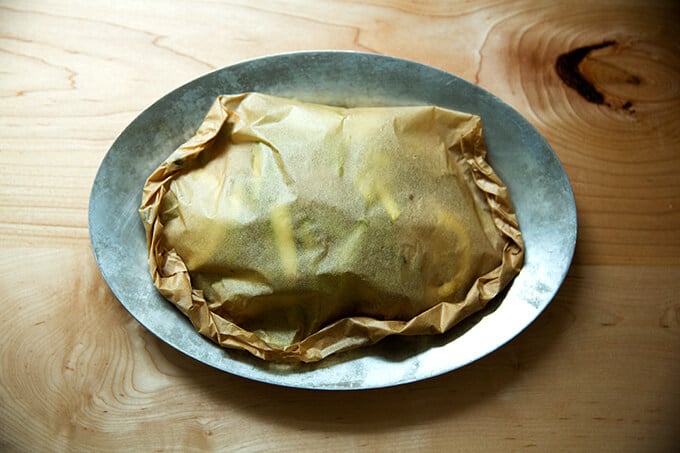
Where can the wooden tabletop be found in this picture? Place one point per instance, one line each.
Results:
(599, 369)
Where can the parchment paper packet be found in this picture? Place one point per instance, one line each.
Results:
(296, 230)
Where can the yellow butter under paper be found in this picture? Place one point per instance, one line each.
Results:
(295, 230)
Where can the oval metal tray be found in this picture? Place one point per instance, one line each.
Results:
(539, 187)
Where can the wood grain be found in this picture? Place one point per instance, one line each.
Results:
(598, 371)
(102, 381)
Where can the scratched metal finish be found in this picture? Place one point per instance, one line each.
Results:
(540, 190)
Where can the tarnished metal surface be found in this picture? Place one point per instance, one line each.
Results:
(538, 185)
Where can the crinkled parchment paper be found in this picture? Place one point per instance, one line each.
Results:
(296, 230)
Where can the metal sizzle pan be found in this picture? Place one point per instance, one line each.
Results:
(538, 185)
